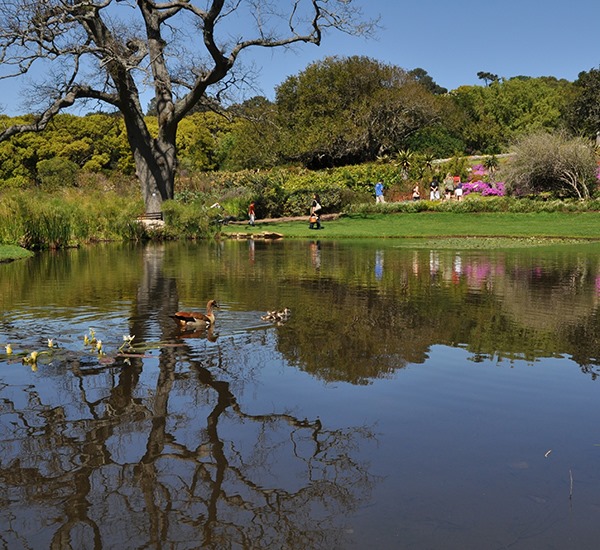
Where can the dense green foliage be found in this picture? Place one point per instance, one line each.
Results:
(497, 114)
(583, 112)
(39, 220)
(336, 128)
(346, 111)
(336, 112)
(35, 219)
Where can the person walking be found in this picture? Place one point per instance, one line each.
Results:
(251, 213)
(434, 190)
(449, 187)
(315, 213)
(416, 195)
(379, 193)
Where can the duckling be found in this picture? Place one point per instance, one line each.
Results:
(193, 319)
(284, 314)
(277, 316)
(269, 316)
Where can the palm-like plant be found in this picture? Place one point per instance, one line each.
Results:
(428, 159)
(405, 160)
(491, 163)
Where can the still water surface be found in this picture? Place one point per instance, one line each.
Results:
(415, 398)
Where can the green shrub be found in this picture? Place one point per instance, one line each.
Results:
(16, 182)
(191, 221)
(57, 172)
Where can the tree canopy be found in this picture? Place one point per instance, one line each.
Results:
(350, 110)
(584, 111)
(497, 114)
(108, 51)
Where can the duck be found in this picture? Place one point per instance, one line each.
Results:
(194, 319)
(277, 316)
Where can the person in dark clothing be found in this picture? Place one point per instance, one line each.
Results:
(315, 213)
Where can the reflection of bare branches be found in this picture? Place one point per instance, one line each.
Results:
(149, 457)
(239, 479)
(274, 509)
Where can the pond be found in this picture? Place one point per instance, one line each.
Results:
(415, 398)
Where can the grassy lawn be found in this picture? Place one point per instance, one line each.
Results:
(442, 225)
(446, 229)
(9, 252)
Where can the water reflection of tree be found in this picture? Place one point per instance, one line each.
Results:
(117, 461)
(498, 306)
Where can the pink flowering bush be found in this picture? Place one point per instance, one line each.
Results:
(484, 188)
(479, 182)
(478, 171)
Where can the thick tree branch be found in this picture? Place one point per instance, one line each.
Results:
(69, 99)
(170, 46)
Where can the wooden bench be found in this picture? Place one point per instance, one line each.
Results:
(150, 216)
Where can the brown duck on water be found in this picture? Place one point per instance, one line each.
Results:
(195, 319)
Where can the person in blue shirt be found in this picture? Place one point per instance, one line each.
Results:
(379, 192)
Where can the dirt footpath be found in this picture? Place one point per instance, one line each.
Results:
(324, 217)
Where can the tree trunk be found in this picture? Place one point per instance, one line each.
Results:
(155, 162)
(155, 170)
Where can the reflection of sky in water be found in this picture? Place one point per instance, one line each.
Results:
(379, 264)
(442, 407)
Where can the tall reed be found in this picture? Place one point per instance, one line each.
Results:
(37, 220)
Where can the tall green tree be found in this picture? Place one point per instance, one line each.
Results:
(583, 115)
(107, 51)
(255, 138)
(96, 142)
(423, 78)
(199, 139)
(498, 114)
(487, 77)
(350, 110)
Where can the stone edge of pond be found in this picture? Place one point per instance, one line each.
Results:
(264, 236)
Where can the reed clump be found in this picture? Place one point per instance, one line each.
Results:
(71, 217)
(37, 220)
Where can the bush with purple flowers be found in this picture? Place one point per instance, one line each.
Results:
(484, 188)
(479, 182)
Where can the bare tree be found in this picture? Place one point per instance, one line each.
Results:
(111, 50)
(552, 162)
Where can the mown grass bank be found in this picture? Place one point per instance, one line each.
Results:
(9, 253)
(35, 220)
(438, 225)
